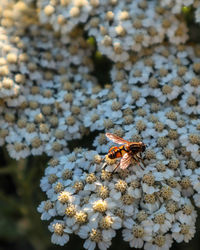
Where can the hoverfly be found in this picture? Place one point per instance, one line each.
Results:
(127, 152)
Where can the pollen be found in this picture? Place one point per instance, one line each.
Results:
(59, 134)
(49, 10)
(97, 159)
(100, 206)
(194, 138)
(159, 126)
(94, 118)
(185, 229)
(172, 182)
(3, 133)
(78, 186)
(185, 182)
(91, 178)
(177, 82)
(159, 240)
(102, 139)
(159, 218)
(150, 198)
(148, 179)
(53, 121)
(171, 207)
(46, 110)
(67, 174)
(127, 199)
(136, 138)
(70, 211)
(128, 119)
(109, 16)
(195, 82)
(141, 112)
(10, 118)
(150, 154)
(191, 100)
(18, 146)
(166, 89)
(162, 141)
(70, 120)
(95, 235)
(171, 115)
(103, 192)
(48, 205)
(68, 98)
(166, 192)
(81, 217)
(196, 67)
(106, 222)
(64, 197)
(135, 184)
(53, 162)
(108, 123)
(56, 146)
(173, 134)
(191, 165)
(121, 186)
(168, 152)
(187, 209)
(36, 142)
(153, 83)
(182, 70)
(58, 188)
(119, 212)
(7, 83)
(140, 126)
(136, 95)
(128, 111)
(120, 31)
(174, 164)
(153, 118)
(123, 173)
(138, 231)
(141, 216)
(58, 228)
(39, 118)
(106, 176)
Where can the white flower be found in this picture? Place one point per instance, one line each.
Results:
(47, 210)
(60, 232)
(159, 242)
(137, 234)
(183, 232)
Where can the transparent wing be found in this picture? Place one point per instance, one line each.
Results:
(125, 161)
(116, 138)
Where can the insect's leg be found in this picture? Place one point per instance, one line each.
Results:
(114, 170)
(104, 166)
(140, 158)
(135, 158)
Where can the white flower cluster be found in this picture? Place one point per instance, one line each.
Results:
(151, 206)
(50, 95)
(41, 85)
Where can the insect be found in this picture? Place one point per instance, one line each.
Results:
(127, 151)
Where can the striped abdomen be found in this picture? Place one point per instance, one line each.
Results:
(116, 152)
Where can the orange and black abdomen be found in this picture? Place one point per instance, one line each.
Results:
(116, 152)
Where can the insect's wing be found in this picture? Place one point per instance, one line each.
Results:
(125, 161)
(116, 138)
